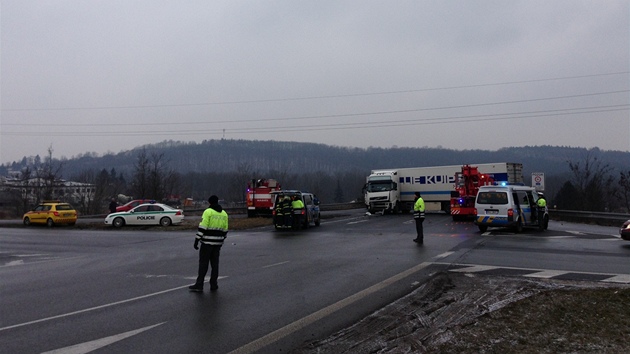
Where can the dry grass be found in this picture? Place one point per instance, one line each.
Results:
(457, 313)
(556, 321)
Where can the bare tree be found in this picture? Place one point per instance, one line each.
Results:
(152, 178)
(624, 190)
(593, 183)
(139, 182)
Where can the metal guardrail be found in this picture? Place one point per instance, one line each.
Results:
(600, 218)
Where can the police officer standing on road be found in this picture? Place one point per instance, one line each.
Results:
(418, 215)
(211, 233)
(542, 205)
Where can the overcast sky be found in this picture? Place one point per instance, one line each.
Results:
(105, 76)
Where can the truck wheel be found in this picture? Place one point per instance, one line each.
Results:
(483, 228)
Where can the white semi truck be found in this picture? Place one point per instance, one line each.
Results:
(392, 190)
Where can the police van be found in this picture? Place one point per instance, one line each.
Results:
(298, 219)
(509, 206)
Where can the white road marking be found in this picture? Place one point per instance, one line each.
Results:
(278, 334)
(13, 263)
(576, 232)
(443, 255)
(356, 222)
(92, 308)
(474, 269)
(546, 274)
(621, 278)
(276, 264)
(99, 343)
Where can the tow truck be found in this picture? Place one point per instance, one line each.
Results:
(467, 183)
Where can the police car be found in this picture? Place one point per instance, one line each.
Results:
(509, 206)
(146, 214)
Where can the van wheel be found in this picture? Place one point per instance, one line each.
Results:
(318, 220)
(483, 228)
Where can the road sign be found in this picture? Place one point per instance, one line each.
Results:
(538, 181)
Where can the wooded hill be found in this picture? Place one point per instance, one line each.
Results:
(277, 159)
(265, 156)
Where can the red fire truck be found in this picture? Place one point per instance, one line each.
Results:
(467, 183)
(259, 197)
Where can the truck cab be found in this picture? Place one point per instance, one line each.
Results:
(381, 192)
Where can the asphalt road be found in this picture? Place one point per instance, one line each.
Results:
(120, 291)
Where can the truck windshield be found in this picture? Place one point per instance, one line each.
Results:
(379, 186)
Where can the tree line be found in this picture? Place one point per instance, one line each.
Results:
(157, 172)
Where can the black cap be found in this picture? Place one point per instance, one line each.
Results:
(417, 194)
(213, 200)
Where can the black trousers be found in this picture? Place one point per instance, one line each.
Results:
(208, 255)
(419, 229)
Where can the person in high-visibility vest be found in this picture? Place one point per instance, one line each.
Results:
(298, 207)
(418, 215)
(211, 233)
(542, 206)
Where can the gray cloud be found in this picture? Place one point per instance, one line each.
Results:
(94, 76)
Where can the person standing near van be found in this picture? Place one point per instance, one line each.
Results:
(287, 211)
(279, 209)
(211, 233)
(298, 206)
(418, 215)
(542, 205)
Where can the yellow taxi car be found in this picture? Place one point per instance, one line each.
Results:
(51, 213)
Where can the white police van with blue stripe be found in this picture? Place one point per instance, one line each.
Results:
(509, 206)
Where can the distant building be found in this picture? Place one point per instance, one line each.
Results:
(35, 189)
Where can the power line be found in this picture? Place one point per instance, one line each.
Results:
(343, 126)
(179, 123)
(313, 97)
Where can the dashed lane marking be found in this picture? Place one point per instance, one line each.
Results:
(443, 255)
(87, 347)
